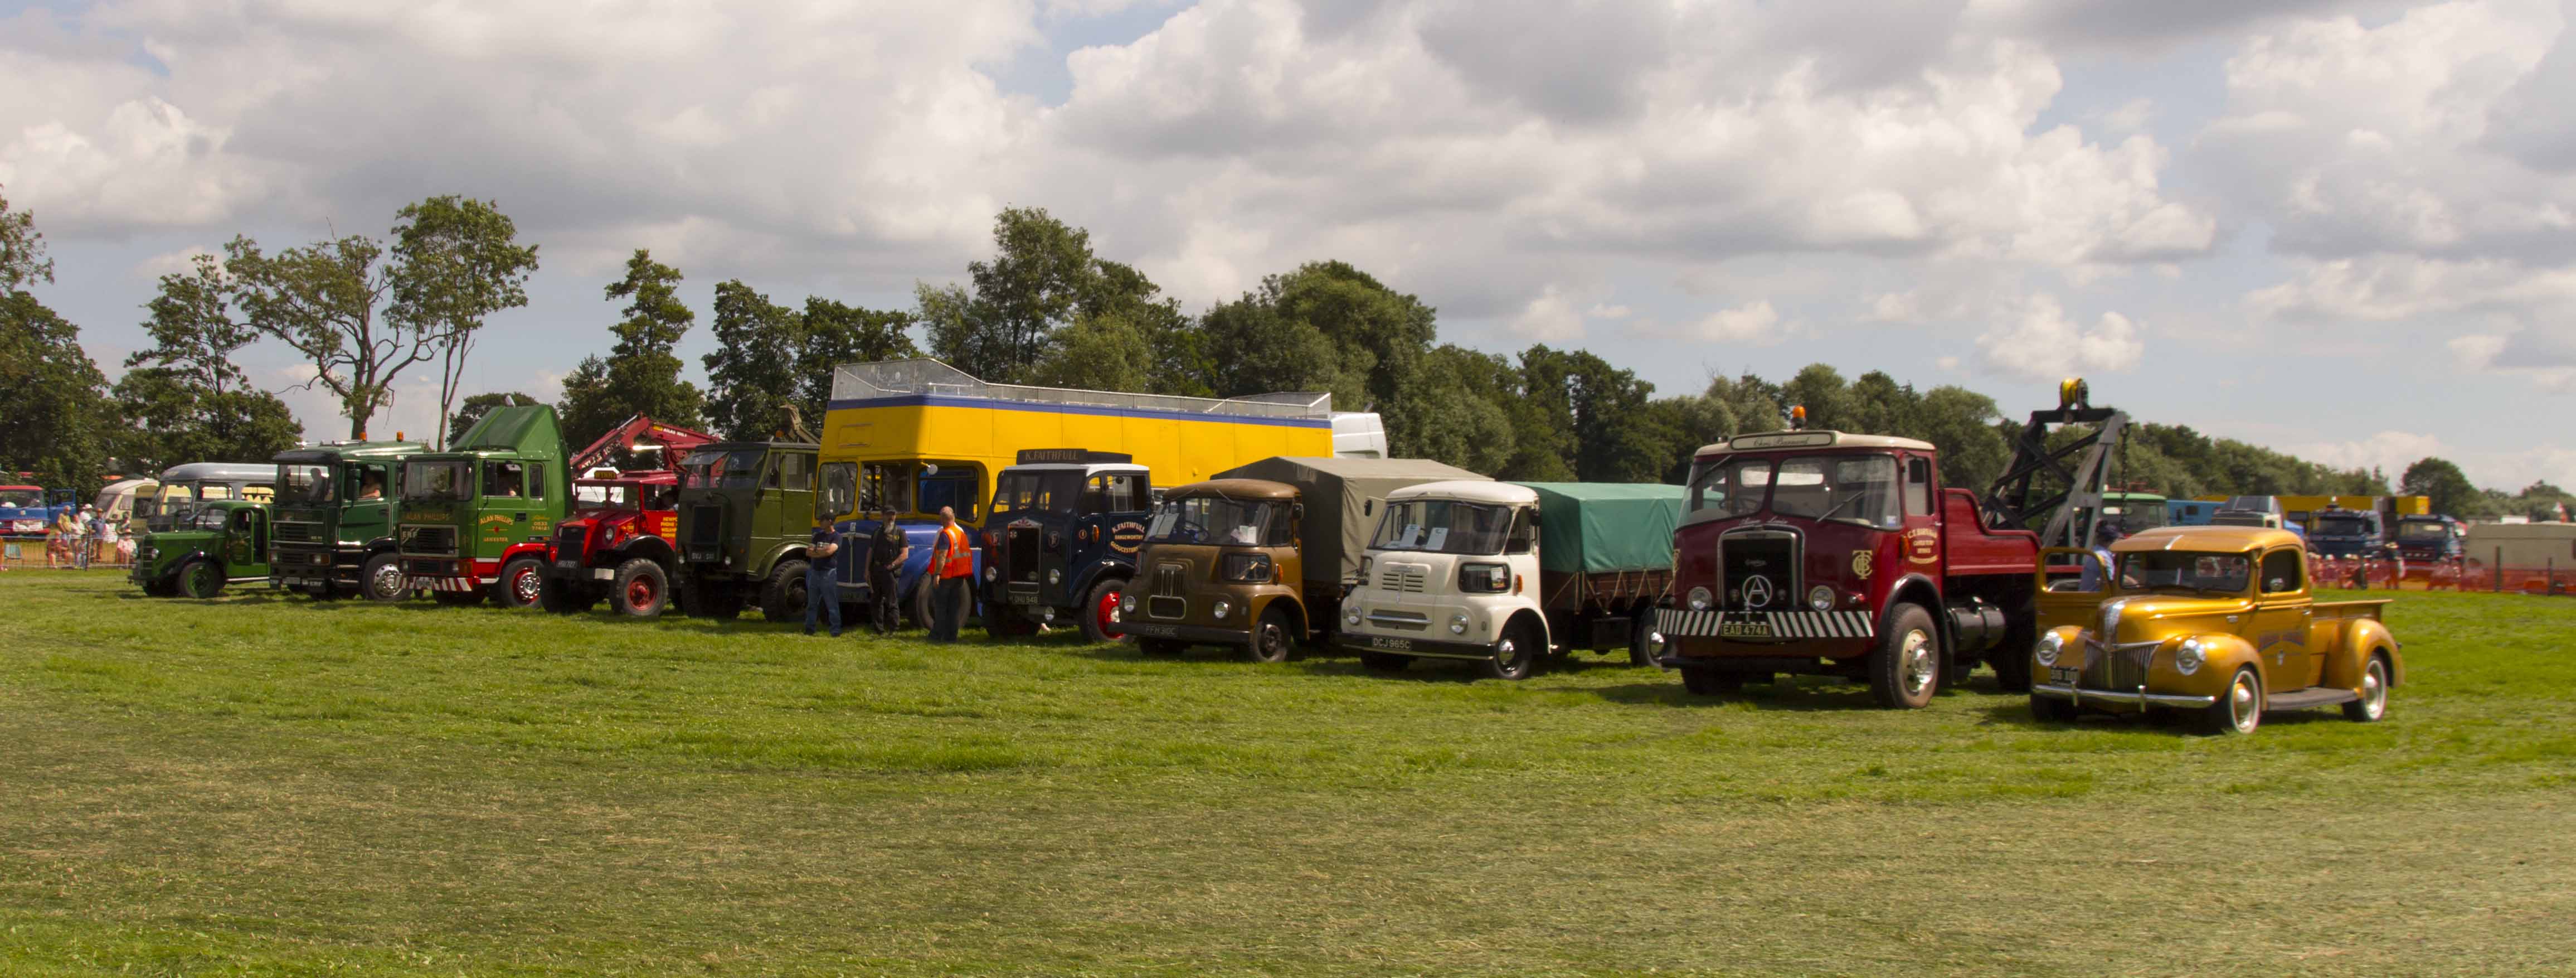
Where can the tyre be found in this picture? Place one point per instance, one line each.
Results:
(457, 599)
(2373, 705)
(200, 578)
(782, 597)
(1712, 682)
(521, 580)
(321, 592)
(164, 588)
(920, 603)
(1004, 621)
(713, 599)
(1385, 661)
(2011, 660)
(2240, 709)
(1905, 669)
(1644, 641)
(2050, 709)
(1159, 646)
(1516, 653)
(563, 596)
(1099, 612)
(382, 579)
(1272, 638)
(640, 589)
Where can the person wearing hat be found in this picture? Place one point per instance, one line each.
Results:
(86, 540)
(887, 551)
(2097, 564)
(822, 580)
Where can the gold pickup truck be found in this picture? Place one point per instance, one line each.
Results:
(2216, 621)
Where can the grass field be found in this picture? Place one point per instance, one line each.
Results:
(260, 785)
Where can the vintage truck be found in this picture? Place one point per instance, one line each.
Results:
(212, 544)
(332, 529)
(27, 510)
(2429, 538)
(746, 515)
(1257, 559)
(2215, 622)
(1513, 573)
(618, 541)
(477, 518)
(1060, 541)
(2339, 532)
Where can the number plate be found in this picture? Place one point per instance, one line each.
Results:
(2063, 675)
(1744, 629)
(1147, 631)
(568, 564)
(1390, 644)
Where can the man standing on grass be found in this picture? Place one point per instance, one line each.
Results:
(952, 562)
(822, 558)
(886, 554)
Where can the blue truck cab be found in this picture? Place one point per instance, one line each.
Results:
(914, 487)
(1060, 541)
(26, 511)
(2338, 532)
(2429, 537)
(2190, 512)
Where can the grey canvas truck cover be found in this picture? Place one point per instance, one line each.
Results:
(1342, 497)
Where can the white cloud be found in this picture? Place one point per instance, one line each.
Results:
(1751, 324)
(2388, 451)
(2038, 342)
(1549, 318)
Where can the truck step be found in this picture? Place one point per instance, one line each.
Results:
(2306, 698)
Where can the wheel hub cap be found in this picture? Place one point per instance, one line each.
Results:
(2241, 704)
(525, 585)
(1918, 662)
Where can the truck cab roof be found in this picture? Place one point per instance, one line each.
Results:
(1495, 493)
(1262, 489)
(2226, 539)
(1775, 440)
(335, 451)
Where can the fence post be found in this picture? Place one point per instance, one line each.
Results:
(2499, 569)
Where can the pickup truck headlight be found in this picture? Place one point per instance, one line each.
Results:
(2188, 658)
(1247, 568)
(1484, 578)
(2049, 646)
(1699, 599)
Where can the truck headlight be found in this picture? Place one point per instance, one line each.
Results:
(1053, 577)
(1484, 578)
(989, 574)
(1127, 604)
(1351, 616)
(1222, 609)
(2187, 659)
(2049, 646)
(1458, 623)
(1699, 599)
(1820, 598)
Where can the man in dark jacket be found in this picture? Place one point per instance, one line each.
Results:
(886, 553)
(822, 594)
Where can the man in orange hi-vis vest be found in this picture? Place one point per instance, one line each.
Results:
(952, 562)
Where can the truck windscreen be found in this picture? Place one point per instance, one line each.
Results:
(2427, 530)
(2185, 570)
(1443, 526)
(603, 495)
(304, 483)
(443, 479)
(735, 469)
(1036, 492)
(2342, 526)
(1209, 520)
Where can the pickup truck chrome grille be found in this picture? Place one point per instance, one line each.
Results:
(1409, 578)
(2116, 667)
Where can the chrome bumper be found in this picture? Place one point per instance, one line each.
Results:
(2121, 697)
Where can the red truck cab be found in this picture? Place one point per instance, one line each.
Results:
(617, 544)
(1823, 552)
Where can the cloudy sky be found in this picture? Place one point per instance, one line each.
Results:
(2346, 230)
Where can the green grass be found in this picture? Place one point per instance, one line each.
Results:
(262, 785)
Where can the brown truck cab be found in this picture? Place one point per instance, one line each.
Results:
(1220, 567)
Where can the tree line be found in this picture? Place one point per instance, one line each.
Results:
(1044, 309)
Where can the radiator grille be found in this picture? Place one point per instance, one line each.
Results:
(429, 539)
(296, 532)
(570, 542)
(706, 524)
(1410, 578)
(1166, 600)
(1023, 562)
(2117, 666)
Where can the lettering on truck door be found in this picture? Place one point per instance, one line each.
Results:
(2281, 621)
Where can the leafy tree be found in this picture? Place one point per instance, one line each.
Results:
(1180, 360)
(1040, 273)
(1473, 417)
(477, 405)
(640, 375)
(183, 399)
(830, 334)
(2446, 488)
(1826, 396)
(1965, 426)
(1098, 353)
(1267, 352)
(1601, 412)
(456, 261)
(22, 250)
(754, 368)
(52, 395)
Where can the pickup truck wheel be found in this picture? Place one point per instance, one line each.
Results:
(2373, 704)
(2240, 709)
(1906, 667)
(521, 580)
(382, 579)
(200, 578)
(1515, 654)
(1099, 612)
(1712, 682)
(2050, 709)
(1385, 661)
(783, 597)
(1270, 637)
(641, 588)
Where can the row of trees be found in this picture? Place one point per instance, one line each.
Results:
(1045, 309)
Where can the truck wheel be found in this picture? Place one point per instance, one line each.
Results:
(200, 578)
(783, 598)
(2050, 709)
(642, 588)
(1271, 637)
(1515, 654)
(920, 603)
(2240, 709)
(163, 588)
(1643, 640)
(1385, 662)
(1712, 682)
(2373, 704)
(1905, 669)
(2011, 660)
(1100, 612)
(561, 596)
(521, 580)
(381, 579)
(713, 599)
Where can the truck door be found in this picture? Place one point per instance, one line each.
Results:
(513, 503)
(837, 497)
(370, 490)
(2283, 619)
(246, 543)
(2062, 599)
(786, 508)
(1108, 499)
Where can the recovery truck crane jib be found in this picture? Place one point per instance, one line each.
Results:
(620, 540)
(1823, 552)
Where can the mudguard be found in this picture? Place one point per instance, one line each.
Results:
(2351, 653)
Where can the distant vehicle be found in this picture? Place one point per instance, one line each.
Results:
(2256, 511)
(2134, 512)
(213, 544)
(181, 487)
(2430, 538)
(2216, 622)
(2346, 533)
(117, 500)
(26, 511)
(2190, 512)
(1069, 525)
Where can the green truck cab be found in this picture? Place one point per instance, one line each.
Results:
(746, 514)
(332, 523)
(476, 518)
(213, 544)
